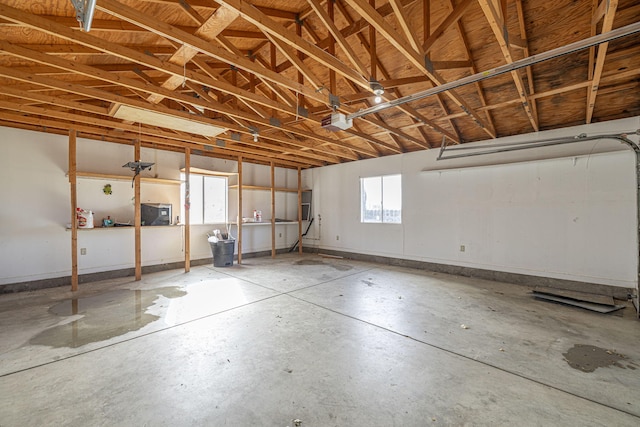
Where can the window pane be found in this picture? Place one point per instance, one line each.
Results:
(392, 198)
(371, 199)
(215, 200)
(195, 213)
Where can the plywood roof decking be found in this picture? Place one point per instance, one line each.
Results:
(251, 66)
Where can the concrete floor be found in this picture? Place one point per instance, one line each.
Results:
(325, 341)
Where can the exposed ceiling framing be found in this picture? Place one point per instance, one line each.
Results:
(265, 69)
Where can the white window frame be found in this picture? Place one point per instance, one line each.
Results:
(383, 217)
(198, 199)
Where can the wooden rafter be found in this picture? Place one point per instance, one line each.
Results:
(451, 19)
(410, 35)
(266, 24)
(525, 51)
(99, 94)
(337, 35)
(412, 56)
(610, 7)
(493, 10)
(150, 61)
(474, 70)
(268, 67)
(208, 30)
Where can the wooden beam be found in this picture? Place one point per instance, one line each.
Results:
(239, 217)
(103, 95)
(529, 70)
(273, 211)
(162, 137)
(191, 12)
(300, 211)
(329, 23)
(451, 19)
(128, 54)
(426, 21)
(187, 210)
(409, 34)
(413, 114)
(607, 24)
(384, 28)
(266, 24)
(373, 45)
(297, 62)
(208, 30)
(498, 26)
(74, 208)
(137, 214)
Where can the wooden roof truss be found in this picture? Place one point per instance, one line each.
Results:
(265, 70)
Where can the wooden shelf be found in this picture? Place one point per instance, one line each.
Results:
(127, 227)
(92, 175)
(263, 188)
(199, 171)
(267, 223)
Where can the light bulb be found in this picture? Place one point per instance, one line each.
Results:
(255, 137)
(378, 99)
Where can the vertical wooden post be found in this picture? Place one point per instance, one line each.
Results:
(137, 217)
(426, 19)
(273, 211)
(332, 50)
(299, 210)
(187, 209)
(74, 206)
(239, 218)
(373, 47)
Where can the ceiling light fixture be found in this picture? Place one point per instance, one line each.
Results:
(377, 89)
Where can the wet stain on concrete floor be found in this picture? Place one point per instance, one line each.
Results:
(588, 358)
(339, 267)
(101, 317)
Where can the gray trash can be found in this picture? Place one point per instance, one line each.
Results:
(223, 252)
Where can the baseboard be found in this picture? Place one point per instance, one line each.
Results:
(115, 274)
(498, 276)
(95, 277)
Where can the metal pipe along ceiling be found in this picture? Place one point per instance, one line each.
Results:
(526, 62)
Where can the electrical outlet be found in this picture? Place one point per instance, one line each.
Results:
(462, 248)
(280, 235)
(83, 251)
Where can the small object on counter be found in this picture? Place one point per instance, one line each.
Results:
(107, 222)
(85, 218)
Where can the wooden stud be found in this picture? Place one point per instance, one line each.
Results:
(137, 214)
(273, 211)
(74, 207)
(299, 210)
(187, 210)
(239, 218)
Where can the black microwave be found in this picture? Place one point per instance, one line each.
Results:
(155, 213)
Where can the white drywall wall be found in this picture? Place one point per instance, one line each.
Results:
(570, 218)
(35, 209)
